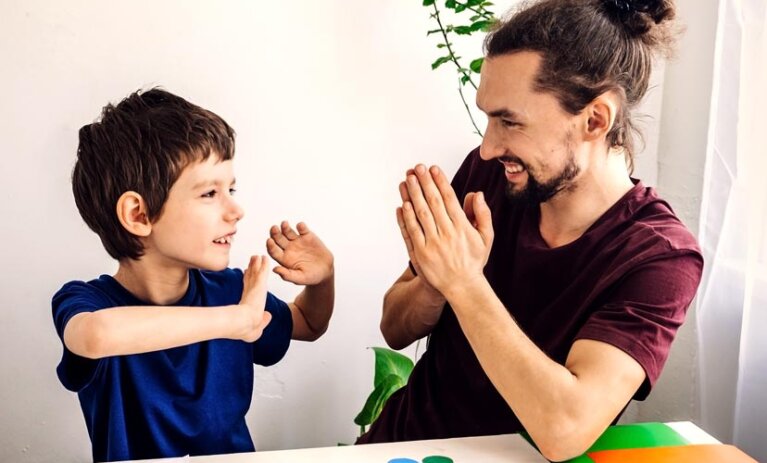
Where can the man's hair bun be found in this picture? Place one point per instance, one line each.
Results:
(639, 16)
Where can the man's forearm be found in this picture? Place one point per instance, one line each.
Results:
(411, 309)
(140, 329)
(559, 409)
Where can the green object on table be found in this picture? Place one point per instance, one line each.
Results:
(633, 436)
(437, 459)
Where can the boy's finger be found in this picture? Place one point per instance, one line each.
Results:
(278, 237)
(302, 228)
(274, 250)
(287, 231)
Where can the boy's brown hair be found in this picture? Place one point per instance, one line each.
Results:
(141, 144)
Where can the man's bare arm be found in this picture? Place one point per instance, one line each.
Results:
(410, 310)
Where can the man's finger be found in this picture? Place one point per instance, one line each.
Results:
(412, 226)
(449, 199)
(403, 231)
(420, 208)
(434, 199)
(468, 208)
(484, 218)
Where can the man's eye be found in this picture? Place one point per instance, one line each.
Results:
(209, 194)
(508, 123)
(232, 191)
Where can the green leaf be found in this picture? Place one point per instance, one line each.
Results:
(475, 17)
(442, 45)
(476, 65)
(428, 2)
(473, 2)
(460, 7)
(389, 362)
(376, 400)
(450, 4)
(465, 78)
(439, 62)
(481, 25)
(463, 30)
(433, 31)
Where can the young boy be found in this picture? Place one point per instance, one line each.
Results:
(161, 354)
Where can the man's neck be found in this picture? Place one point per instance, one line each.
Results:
(566, 216)
(152, 283)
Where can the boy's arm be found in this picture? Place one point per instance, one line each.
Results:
(305, 260)
(140, 329)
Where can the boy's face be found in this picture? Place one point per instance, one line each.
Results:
(198, 222)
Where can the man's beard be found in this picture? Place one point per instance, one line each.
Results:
(536, 192)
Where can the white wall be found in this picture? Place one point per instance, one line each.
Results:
(331, 100)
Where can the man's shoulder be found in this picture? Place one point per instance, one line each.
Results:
(653, 218)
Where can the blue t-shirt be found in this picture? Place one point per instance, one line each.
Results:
(186, 400)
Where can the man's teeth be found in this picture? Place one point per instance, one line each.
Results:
(224, 240)
(514, 168)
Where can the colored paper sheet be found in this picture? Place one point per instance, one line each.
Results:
(712, 453)
(632, 436)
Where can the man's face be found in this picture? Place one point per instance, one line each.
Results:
(528, 132)
(198, 222)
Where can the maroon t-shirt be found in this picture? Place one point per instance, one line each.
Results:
(627, 281)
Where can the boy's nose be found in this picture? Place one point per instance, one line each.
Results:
(234, 211)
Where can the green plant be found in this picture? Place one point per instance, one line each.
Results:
(481, 20)
(392, 370)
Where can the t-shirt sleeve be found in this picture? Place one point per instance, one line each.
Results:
(274, 342)
(644, 310)
(74, 372)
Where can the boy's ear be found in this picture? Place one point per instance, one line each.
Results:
(131, 211)
(600, 115)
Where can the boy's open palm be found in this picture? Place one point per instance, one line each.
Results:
(303, 258)
(253, 299)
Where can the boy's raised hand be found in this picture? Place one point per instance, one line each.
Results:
(253, 299)
(303, 258)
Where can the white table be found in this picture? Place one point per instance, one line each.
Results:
(505, 448)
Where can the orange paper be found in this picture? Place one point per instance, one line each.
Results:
(715, 453)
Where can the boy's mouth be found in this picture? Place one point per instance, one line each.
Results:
(226, 239)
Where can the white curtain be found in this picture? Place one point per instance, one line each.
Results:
(732, 303)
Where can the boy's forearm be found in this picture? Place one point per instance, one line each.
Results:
(315, 304)
(140, 329)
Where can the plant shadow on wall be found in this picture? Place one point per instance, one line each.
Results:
(392, 369)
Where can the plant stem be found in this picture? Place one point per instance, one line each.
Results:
(447, 45)
(460, 91)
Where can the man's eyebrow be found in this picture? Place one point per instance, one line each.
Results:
(503, 112)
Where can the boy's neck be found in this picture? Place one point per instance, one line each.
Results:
(153, 284)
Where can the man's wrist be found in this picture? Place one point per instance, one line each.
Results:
(472, 288)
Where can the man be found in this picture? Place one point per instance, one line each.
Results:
(552, 296)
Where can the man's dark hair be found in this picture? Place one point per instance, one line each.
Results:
(142, 144)
(589, 47)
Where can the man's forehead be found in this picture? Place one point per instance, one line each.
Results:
(505, 79)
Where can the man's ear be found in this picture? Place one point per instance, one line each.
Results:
(600, 115)
(132, 213)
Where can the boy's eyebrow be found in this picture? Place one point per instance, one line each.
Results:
(208, 183)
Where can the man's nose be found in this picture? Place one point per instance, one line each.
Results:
(491, 148)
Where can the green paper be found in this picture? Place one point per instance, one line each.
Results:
(633, 436)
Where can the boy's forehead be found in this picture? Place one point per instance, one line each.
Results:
(204, 172)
